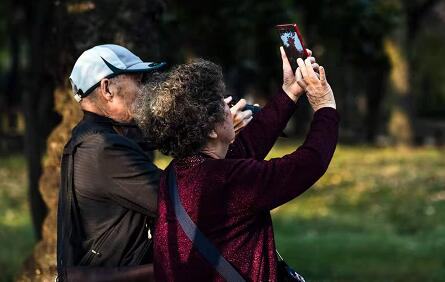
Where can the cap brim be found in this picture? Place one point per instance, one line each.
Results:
(145, 67)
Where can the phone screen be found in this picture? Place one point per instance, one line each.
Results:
(292, 44)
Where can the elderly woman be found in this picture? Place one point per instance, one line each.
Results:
(223, 182)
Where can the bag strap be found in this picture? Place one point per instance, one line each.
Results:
(199, 240)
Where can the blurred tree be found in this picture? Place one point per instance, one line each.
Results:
(61, 31)
(348, 37)
(37, 100)
(10, 76)
(400, 48)
(25, 72)
(238, 35)
(429, 53)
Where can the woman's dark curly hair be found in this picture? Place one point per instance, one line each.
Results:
(177, 110)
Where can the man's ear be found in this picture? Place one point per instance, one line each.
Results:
(105, 89)
(213, 134)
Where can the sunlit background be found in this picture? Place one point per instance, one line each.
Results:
(379, 212)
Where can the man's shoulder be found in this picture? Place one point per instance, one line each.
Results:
(101, 136)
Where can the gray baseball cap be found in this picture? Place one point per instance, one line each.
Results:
(105, 61)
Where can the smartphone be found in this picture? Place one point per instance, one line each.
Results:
(292, 43)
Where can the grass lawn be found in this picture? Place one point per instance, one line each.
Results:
(16, 233)
(377, 215)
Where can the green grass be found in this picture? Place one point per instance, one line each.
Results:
(16, 234)
(377, 215)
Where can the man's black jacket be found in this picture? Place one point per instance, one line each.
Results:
(108, 195)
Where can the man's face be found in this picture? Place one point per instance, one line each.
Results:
(125, 90)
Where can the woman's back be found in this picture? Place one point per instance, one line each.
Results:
(242, 235)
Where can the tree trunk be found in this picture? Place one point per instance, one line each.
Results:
(399, 49)
(400, 123)
(375, 89)
(38, 19)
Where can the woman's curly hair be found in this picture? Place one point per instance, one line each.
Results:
(177, 110)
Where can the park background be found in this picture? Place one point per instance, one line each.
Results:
(379, 212)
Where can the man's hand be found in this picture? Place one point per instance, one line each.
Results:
(240, 117)
(290, 85)
(318, 90)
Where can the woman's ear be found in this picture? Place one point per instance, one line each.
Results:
(105, 89)
(213, 134)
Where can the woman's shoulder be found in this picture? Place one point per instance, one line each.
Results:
(201, 168)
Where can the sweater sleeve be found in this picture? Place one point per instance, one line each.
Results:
(257, 139)
(259, 184)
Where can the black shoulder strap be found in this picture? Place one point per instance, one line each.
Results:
(199, 240)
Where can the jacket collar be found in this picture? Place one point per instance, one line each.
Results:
(90, 116)
(93, 117)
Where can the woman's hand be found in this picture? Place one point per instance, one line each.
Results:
(318, 90)
(290, 85)
(240, 117)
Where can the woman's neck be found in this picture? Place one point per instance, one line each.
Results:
(215, 149)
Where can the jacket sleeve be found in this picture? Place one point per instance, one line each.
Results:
(257, 139)
(255, 184)
(133, 178)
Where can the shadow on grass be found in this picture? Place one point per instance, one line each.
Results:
(326, 250)
(382, 235)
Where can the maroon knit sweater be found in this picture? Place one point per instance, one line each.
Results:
(230, 199)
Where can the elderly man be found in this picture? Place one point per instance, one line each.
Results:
(109, 184)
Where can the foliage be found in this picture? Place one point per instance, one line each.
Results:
(362, 23)
(345, 36)
(239, 35)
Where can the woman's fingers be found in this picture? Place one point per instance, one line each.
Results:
(238, 106)
(246, 114)
(239, 116)
(309, 69)
(319, 92)
(312, 59)
(286, 64)
(227, 100)
(302, 84)
(322, 75)
(309, 52)
(283, 54)
(243, 124)
(316, 67)
(300, 79)
(298, 75)
(302, 67)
